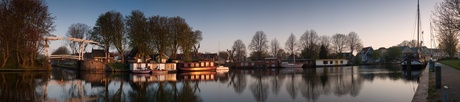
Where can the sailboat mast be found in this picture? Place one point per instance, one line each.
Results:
(418, 24)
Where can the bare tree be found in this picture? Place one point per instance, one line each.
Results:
(240, 49)
(339, 42)
(448, 25)
(353, 42)
(309, 44)
(259, 43)
(158, 28)
(274, 47)
(448, 41)
(291, 44)
(325, 40)
(187, 44)
(179, 30)
(77, 30)
(23, 24)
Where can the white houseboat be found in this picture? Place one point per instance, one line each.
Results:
(331, 62)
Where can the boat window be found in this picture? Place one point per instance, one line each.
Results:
(324, 62)
(341, 61)
(330, 62)
(336, 62)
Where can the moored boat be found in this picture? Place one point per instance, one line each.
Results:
(146, 71)
(415, 59)
(331, 62)
(196, 66)
(159, 72)
(291, 65)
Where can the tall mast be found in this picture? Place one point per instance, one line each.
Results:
(418, 23)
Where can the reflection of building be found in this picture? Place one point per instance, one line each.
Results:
(152, 78)
(202, 76)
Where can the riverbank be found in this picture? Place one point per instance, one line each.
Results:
(449, 74)
(421, 93)
(23, 70)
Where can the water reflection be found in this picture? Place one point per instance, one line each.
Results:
(318, 84)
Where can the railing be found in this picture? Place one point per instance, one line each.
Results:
(63, 57)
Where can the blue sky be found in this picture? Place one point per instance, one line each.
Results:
(379, 23)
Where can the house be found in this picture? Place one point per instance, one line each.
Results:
(345, 55)
(96, 54)
(436, 53)
(406, 49)
(366, 55)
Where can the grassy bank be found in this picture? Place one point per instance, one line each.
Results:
(452, 63)
(117, 65)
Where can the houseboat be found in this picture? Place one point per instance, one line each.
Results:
(140, 68)
(196, 66)
(331, 62)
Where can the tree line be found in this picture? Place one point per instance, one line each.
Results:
(146, 35)
(309, 46)
(23, 25)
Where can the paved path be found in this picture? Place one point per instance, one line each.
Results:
(422, 90)
(451, 78)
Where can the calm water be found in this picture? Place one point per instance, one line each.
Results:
(350, 83)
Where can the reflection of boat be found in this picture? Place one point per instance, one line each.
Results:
(291, 70)
(202, 75)
(411, 75)
(196, 66)
(222, 68)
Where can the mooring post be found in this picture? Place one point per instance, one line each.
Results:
(446, 94)
(438, 76)
(431, 65)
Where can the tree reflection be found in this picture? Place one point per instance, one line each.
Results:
(260, 89)
(238, 81)
(310, 88)
(19, 87)
(277, 82)
(292, 87)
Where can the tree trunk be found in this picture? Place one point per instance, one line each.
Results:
(6, 55)
(122, 57)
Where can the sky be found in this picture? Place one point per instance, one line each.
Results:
(379, 23)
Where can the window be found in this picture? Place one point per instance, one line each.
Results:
(330, 62)
(341, 61)
(324, 62)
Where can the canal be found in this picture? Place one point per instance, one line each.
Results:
(376, 83)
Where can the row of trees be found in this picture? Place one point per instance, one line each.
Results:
(146, 35)
(447, 23)
(310, 46)
(23, 25)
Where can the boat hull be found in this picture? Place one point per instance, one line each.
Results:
(159, 72)
(415, 65)
(290, 65)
